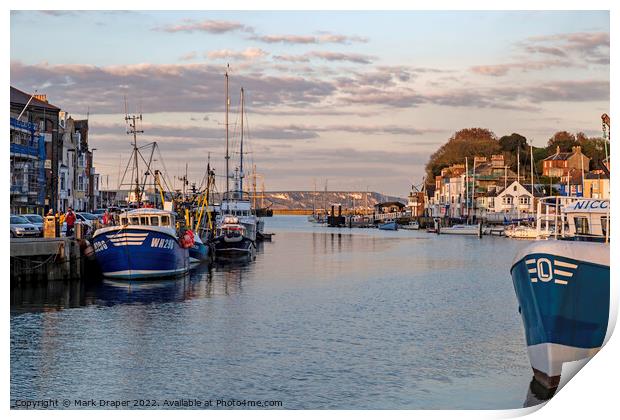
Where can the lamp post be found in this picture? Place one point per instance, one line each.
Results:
(74, 177)
(91, 184)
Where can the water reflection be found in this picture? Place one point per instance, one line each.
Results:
(320, 319)
(537, 394)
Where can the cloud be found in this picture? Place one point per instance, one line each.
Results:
(192, 55)
(567, 50)
(524, 66)
(207, 25)
(592, 47)
(560, 91)
(249, 53)
(337, 56)
(189, 87)
(323, 38)
(263, 132)
(328, 56)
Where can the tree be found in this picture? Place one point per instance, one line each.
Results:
(468, 142)
(510, 144)
(564, 139)
(592, 147)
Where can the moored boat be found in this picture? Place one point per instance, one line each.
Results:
(231, 238)
(145, 244)
(462, 230)
(563, 290)
(392, 225)
(413, 225)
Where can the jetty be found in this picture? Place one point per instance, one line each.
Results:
(42, 259)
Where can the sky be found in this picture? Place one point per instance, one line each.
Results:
(359, 100)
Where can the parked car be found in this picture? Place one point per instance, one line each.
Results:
(87, 219)
(22, 228)
(99, 213)
(36, 220)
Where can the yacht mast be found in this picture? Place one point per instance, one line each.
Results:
(226, 124)
(241, 151)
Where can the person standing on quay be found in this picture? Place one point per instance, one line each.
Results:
(70, 219)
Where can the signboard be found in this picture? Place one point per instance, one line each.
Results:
(48, 164)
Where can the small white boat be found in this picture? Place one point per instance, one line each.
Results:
(462, 230)
(413, 225)
(526, 232)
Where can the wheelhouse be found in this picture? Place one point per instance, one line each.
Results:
(147, 218)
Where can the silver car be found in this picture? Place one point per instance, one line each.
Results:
(22, 228)
(36, 220)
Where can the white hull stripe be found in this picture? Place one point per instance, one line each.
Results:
(565, 264)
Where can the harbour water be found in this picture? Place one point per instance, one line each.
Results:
(323, 318)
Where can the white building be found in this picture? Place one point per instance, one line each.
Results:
(514, 199)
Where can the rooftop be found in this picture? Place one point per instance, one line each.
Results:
(21, 98)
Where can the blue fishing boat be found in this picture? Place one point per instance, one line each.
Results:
(563, 290)
(145, 244)
(388, 226)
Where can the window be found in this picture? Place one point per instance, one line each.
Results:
(581, 226)
(514, 188)
(62, 181)
(144, 220)
(154, 221)
(165, 221)
(507, 199)
(134, 220)
(524, 200)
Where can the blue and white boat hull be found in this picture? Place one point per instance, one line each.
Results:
(138, 252)
(388, 226)
(563, 292)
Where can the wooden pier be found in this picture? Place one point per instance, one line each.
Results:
(42, 259)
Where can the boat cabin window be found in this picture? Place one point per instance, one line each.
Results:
(581, 226)
(165, 221)
(154, 221)
(134, 220)
(144, 220)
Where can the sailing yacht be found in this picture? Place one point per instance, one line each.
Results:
(237, 224)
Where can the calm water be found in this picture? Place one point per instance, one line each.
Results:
(323, 318)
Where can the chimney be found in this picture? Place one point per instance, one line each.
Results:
(41, 97)
(557, 150)
(497, 161)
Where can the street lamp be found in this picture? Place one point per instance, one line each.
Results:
(91, 173)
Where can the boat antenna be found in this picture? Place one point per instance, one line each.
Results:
(131, 120)
(226, 124)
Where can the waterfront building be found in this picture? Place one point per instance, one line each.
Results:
(562, 164)
(596, 185)
(515, 199)
(37, 111)
(416, 202)
(27, 154)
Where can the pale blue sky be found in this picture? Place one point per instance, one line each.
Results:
(367, 111)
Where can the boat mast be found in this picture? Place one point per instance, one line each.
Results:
(241, 151)
(532, 174)
(133, 130)
(227, 157)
